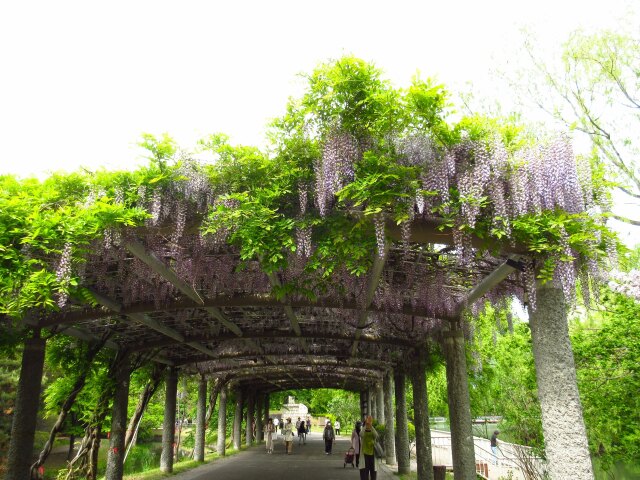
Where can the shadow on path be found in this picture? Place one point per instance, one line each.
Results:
(306, 462)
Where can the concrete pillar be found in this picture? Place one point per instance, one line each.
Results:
(380, 403)
(402, 425)
(201, 412)
(421, 414)
(25, 415)
(374, 404)
(237, 421)
(363, 404)
(267, 407)
(389, 427)
(115, 456)
(251, 405)
(221, 446)
(462, 450)
(565, 437)
(259, 417)
(169, 422)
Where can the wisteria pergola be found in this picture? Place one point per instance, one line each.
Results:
(184, 294)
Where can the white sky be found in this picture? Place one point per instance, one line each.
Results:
(80, 81)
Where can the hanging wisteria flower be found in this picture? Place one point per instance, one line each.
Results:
(626, 283)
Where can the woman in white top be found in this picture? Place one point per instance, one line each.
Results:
(269, 430)
(355, 442)
(287, 431)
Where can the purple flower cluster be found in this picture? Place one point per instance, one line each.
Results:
(335, 169)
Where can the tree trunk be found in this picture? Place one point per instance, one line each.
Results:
(169, 422)
(23, 428)
(216, 385)
(200, 420)
(143, 402)
(259, 417)
(79, 384)
(222, 422)
(565, 437)
(115, 456)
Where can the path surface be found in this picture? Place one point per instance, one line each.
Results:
(307, 462)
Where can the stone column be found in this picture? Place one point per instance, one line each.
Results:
(259, 416)
(389, 427)
(462, 449)
(115, 456)
(374, 405)
(201, 412)
(565, 437)
(237, 421)
(380, 403)
(267, 407)
(363, 404)
(251, 404)
(402, 425)
(25, 415)
(221, 446)
(169, 423)
(421, 414)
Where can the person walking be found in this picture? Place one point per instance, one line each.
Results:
(337, 427)
(328, 436)
(287, 431)
(369, 436)
(302, 431)
(269, 430)
(355, 442)
(308, 424)
(494, 446)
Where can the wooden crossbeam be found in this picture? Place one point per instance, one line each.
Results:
(372, 285)
(510, 265)
(152, 324)
(158, 266)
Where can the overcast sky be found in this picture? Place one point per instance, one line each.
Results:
(80, 81)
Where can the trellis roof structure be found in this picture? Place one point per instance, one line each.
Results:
(222, 319)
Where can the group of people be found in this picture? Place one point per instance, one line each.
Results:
(363, 440)
(288, 431)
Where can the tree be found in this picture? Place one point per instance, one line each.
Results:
(596, 91)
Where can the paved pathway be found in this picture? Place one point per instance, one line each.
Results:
(307, 462)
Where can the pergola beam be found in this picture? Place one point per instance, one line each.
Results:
(488, 283)
(153, 324)
(247, 300)
(158, 266)
(372, 285)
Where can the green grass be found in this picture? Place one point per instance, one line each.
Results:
(179, 467)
